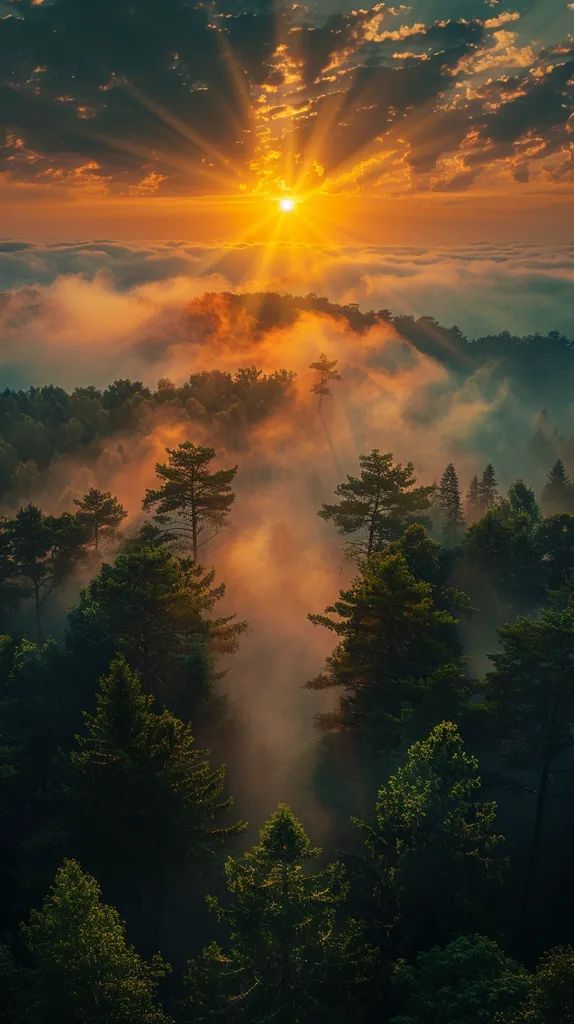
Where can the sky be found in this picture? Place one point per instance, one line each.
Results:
(437, 121)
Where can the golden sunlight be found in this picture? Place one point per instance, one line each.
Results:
(286, 204)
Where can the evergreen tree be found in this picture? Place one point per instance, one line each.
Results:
(45, 550)
(100, 513)
(154, 607)
(192, 502)
(523, 500)
(327, 372)
(378, 503)
(290, 957)
(432, 846)
(395, 644)
(488, 488)
(82, 969)
(145, 800)
(470, 980)
(473, 509)
(558, 493)
(532, 691)
(450, 505)
(503, 547)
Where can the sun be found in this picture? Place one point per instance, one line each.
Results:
(286, 204)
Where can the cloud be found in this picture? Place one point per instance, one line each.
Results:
(245, 97)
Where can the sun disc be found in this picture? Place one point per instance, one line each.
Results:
(286, 204)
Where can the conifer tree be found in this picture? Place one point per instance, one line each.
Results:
(531, 689)
(290, 958)
(192, 502)
(473, 507)
(145, 798)
(44, 550)
(558, 493)
(432, 846)
(487, 488)
(100, 513)
(327, 372)
(395, 641)
(450, 505)
(378, 503)
(156, 608)
(82, 970)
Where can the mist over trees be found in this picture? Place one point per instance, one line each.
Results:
(416, 866)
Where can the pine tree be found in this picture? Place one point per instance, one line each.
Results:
(192, 503)
(395, 641)
(487, 488)
(378, 503)
(473, 507)
(558, 493)
(44, 550)
(290, 958)
(432, 846)
(145, 799)
(531, 689)
(327, 372)
(450, 505)
(82, 969)
(100, 513)
(156, 608)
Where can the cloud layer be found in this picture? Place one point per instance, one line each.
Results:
(117, 98)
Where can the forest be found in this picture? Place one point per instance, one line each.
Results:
(370, 817)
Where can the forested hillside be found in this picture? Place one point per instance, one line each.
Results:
(286, 680)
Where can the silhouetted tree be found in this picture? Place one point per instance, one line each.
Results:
(395, 643)
(379, 502)
(532, 690)
(290, 956)
(432, 846)
(45, 550)
(155, 607)
(145, 799)
(82, 969)
(558, 493)
(100, 513)
(450, 505)
(473, 508)
(327, 372)
(487, 488)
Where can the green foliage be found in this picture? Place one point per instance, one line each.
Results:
(192, 502)
(153, 606)
(145, 798)
(41, 551)
(379, 503)
(450, 506)
(503, 547)
(470, 980)
(487, 488)
(395, 642)
(432, 846)
(551, 996)
(82, 970)
(100, 513)
(290, 958)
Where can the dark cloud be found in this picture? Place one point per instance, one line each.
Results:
(191, 97)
